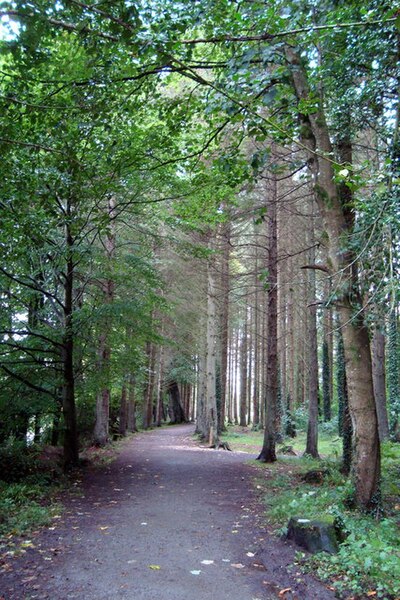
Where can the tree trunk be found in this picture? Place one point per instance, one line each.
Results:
(243, 375)
(211, 399)
(338, 220)
(312, 428)
(131, 418)
(326, 386)
(148, 416)
(224, 322)
(159, 390)
(175, 409)
(101, 428)
(55, 426)
(393, 376)
(71, 445)
(37, 433)
(123, 411)
(345, 425)
(256, 382)
(379, 378)
(230, 384)
(236, 340)
(268, 453)
(327, 355)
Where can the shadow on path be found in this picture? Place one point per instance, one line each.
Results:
(168, 520)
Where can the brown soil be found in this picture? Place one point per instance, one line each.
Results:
(143, 526)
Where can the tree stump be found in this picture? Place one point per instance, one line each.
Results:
(221, 445)
(319, 535)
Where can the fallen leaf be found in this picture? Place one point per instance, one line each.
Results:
(154, 567)
(237, 565)
(371, 593)
(103, 527)
(29, 579)
(284, 591)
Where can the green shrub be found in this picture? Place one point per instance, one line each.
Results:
(24, 507)
(17, 462)
(369, 558)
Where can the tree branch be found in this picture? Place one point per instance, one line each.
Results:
(32, 386)
(317, 267)
(271, 36)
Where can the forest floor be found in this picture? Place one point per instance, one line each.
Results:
(169, 520)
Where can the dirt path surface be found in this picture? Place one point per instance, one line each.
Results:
(144, 525)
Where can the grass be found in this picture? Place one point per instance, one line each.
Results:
(245, 440)
(368, 562)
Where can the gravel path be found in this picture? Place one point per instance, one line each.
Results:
(168, 520)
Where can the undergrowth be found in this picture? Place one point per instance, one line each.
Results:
(368, 562)
(30, 477)
(24, 507)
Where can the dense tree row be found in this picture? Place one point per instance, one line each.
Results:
(200, 220)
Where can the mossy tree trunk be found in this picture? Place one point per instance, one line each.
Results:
(338, 221)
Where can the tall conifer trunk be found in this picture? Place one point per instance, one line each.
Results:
(243, 374)
(211, 412)
(101, 429)
(312, 426)
(224, 322)
(71, 447)
(268, 453)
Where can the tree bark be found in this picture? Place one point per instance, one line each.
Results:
(345, 425)
(338, 220)
(131, 418)
(312, 427)
(159, 390)
(148, 416)
(243, 375)
(393, 372)
(123, 411)
(101, 428)
(379, 378)
(71, 444)
(175, 409)
(211, 398)
(268, 453)
(224, 322)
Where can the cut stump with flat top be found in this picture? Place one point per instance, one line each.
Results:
(319, 535)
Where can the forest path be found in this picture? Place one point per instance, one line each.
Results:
(143, 525)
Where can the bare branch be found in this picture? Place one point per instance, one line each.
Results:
(317, 267)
